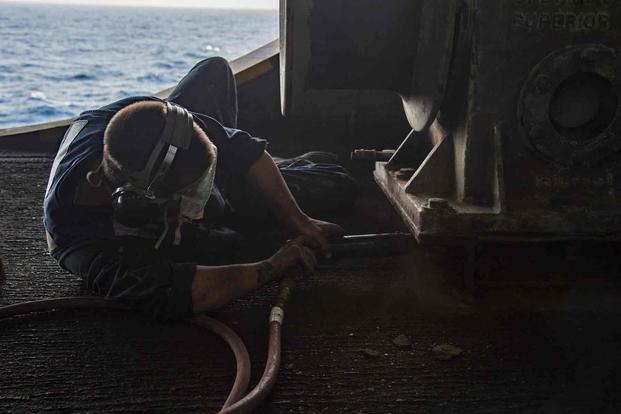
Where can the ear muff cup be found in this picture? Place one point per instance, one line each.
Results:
(132, 209)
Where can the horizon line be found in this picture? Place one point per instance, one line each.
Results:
(155, 6)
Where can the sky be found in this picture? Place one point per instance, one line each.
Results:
(227, 4)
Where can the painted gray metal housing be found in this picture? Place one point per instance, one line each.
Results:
(515, 108)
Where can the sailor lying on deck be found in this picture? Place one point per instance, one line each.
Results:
(129, 178)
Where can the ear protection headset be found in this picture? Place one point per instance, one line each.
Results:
(141, 201)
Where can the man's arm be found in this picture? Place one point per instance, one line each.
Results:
(265, 178)
(215, 286)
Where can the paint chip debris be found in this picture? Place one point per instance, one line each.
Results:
(402, 341)
(446, 351)
(370, 353)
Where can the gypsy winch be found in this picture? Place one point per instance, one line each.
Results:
(515, 108)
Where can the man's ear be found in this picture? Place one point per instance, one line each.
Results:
(95, 177)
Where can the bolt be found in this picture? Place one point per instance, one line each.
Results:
(592, 54)
(571, 161)
(589, 54)
(405, 173)
(372, 155)
(543, 84)
(438, 203)
(537, 132)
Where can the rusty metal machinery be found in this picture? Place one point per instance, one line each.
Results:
(515, 108)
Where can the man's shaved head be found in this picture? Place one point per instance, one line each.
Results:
(131, 136)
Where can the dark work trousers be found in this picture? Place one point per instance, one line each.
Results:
(209, 88)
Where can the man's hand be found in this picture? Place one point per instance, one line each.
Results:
(316, 232)
(215, 286)
(293, 253)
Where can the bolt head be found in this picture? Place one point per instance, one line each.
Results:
(405, 173)
(537, 132)
(437, 203)
(593, 54)
(543, 84)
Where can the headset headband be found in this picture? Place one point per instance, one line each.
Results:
(177, 134)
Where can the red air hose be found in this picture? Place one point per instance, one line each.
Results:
(234, 402)
(267, 381)
(242, 378)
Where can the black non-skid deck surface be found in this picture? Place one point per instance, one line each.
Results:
(549, 344)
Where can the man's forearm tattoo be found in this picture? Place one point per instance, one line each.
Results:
(266, 273)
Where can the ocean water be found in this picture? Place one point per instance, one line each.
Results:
(57, 61)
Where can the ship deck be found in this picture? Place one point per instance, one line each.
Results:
(542, 335)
